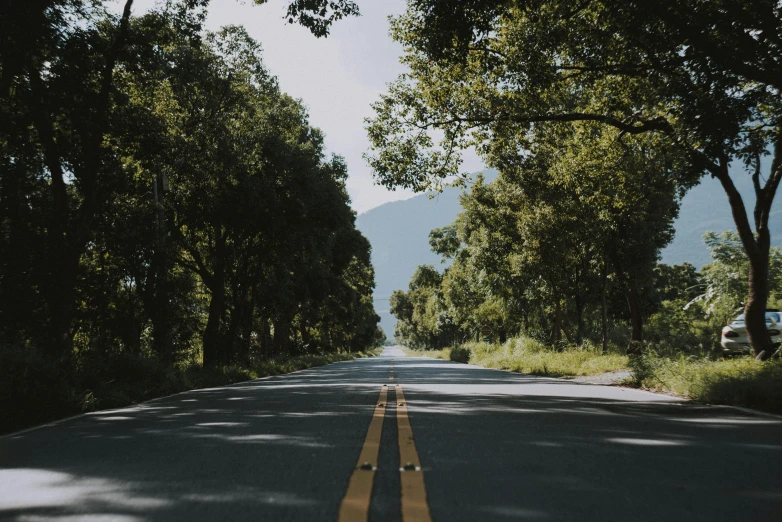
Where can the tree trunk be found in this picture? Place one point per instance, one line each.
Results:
(266, 338)
(162, 314)
(561, 323)
(281, 336)
(211, 339)
(756, 248)
(755, 308)
(61, 300)
(604, 308)
(636, 323)
(246, 329)
(579, 302)
(234, 342)
(63, 258)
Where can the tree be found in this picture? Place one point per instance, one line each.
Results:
(211, 207)
(422, 319)
(579, 209)
(58, 69)
(704, 76)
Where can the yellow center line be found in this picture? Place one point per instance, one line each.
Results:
(414, 506)
(355, 505)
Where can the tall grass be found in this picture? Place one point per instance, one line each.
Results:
(444, 353)
(527, 355)
(738, 382)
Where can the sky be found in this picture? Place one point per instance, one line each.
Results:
(338, 77)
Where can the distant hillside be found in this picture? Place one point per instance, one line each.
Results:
(399, 232)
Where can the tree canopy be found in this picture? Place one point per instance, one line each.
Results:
(160, 196)
(702, 77)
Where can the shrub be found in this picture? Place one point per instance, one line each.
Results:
(675, 330)
(460, 354)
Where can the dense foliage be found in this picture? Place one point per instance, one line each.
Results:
(680, 310)
(162, 199)
(700, 79)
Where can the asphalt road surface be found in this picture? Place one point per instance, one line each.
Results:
(492, 446)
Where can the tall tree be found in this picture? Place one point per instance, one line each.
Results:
(58, 64)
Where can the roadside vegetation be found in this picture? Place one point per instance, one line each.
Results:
(526, 355)
(442, 353)
(169, 218)
(598, 118)
(37, 390)
(683, 313)
(738, 382)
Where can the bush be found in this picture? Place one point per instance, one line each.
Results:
(644, 366)
(460, 354)
(674, 330)
(34, 389)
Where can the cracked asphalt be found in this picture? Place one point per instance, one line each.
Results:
(493, 445)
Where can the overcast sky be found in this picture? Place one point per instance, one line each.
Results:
(337, 77)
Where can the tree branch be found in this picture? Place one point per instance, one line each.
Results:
(730, 61)
(756, 178)
(628, 126)
(199, 267)
(609, 69)
(487, 51)
(737, 207)
(772, 184)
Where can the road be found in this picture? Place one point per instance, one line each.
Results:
(492, 445)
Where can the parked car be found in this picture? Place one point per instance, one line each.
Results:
(734, 336)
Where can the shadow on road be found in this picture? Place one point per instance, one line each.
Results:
(503, 446)
(496, 446)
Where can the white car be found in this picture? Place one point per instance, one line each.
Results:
(734, 336)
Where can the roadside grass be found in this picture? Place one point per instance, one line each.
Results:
(737, 382)
(527, 355)
(35, 390)
(445, 353)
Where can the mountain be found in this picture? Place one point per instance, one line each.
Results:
(399, 232)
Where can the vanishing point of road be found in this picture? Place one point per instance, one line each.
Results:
(395, 438)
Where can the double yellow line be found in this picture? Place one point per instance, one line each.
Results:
(355, 505)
